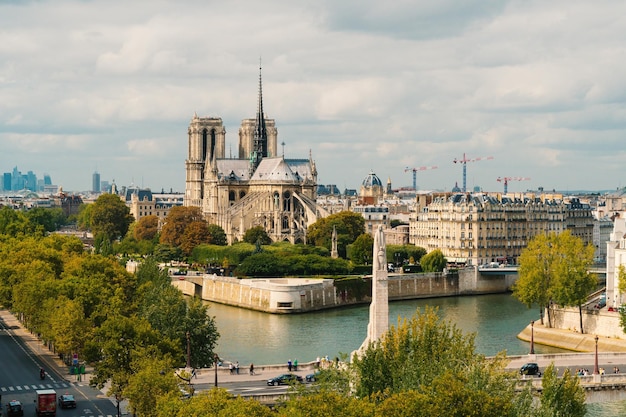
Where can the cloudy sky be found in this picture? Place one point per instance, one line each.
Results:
(111, 85)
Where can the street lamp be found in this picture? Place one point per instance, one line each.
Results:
(217, 359)
(532, 337)
(596, 370)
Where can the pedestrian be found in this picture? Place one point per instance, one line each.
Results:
(317, 362)
(289, 365)
(251, 369)
(230, 367)
(295, 365)
(237, 367)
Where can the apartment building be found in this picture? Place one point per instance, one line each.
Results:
(476, 229)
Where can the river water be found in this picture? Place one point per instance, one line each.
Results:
(249, 336)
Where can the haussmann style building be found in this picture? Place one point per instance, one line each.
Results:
(477, 229)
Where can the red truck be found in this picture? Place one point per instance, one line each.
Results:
(46, 404)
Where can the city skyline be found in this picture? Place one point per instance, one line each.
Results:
(111, 87)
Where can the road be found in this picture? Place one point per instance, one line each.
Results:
(21, 360)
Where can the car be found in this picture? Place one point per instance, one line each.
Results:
(67, 401)
(14, 408)
(284, 379)
(530, 369)
(312, 377)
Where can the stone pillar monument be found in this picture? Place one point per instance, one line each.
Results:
(333, 250)
(379, 308)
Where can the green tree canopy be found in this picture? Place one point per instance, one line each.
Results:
(50, 219)
(257, 234)
(360, 252)
(554, 267)
(434, 261)
(110, 217)
(349, 226)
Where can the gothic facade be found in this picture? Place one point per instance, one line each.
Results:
(259, 188)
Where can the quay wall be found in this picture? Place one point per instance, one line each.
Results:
(299, 295)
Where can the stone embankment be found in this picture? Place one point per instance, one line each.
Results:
(571, 340)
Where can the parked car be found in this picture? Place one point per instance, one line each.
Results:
(284, 379)
(312, 377)
(14, 408)
(530, 369)
(67, 401)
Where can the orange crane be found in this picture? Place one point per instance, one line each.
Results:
(464, 161)
(414, 170)
(506, 180)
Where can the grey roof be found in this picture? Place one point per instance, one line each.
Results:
(234, 169)
(274, 169)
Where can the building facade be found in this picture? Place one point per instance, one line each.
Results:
(259, 188)
(481, 228)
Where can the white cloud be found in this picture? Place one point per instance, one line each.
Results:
(537, 85)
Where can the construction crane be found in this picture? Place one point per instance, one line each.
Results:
(414, 170)
(506, 180)
(464, 161)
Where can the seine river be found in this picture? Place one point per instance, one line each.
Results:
(249, 336)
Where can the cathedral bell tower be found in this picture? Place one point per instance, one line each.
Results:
(206, 143)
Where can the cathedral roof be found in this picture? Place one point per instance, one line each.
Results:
(234, 169)
(275, 169)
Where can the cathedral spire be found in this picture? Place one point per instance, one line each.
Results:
(260, 131)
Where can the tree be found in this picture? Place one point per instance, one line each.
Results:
(13, 222)
(573, 283)
(203, 334)
(257, 234)
(146, 228)
(217, 236)
(122, 342)
(433, 261)
(110, 217)
(411, 354)
(153, 379)
(50, 219)
(349, 226)
(216, 402)
(326, 403)
(361, 249)
(83, 219)
(554, 267)
(195, 233)
(535, 276)
(425, 366)
(562, 397)
(176, 222)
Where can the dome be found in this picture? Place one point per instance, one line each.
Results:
(372, 180)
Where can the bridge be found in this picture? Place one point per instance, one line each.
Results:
(598, 269)
(598, 388)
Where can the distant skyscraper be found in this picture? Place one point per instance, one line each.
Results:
(95, 183)
(47, 180)
(6, 181)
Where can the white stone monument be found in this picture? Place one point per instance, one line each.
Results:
(379, 308)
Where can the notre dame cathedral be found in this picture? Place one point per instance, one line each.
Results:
(259, 188)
